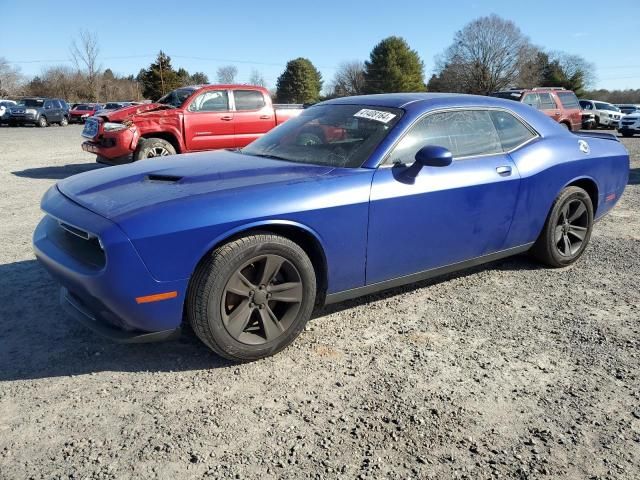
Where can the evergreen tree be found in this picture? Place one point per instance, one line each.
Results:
(300, 82)
(394, 67)
(160, 78)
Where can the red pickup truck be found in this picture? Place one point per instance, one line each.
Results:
(189, 119)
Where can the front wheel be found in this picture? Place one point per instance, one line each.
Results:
(627, 134)
(42, 121)
(153, 147)
(252, 297)
(567, 230)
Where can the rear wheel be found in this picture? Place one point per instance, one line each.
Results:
(64, 122)
(565, 125)
(42, 121)
(252, 297)
(627, 134)
(153, 147)
(567, 230)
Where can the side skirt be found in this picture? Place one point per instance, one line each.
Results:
(424, 275)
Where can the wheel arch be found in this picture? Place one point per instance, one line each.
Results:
(307, 238)
(168, 136)
(590, 186)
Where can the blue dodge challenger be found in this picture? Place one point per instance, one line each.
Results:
(354, 196)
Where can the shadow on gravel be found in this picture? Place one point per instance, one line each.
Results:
(519, 262)
(57, 173)
(37, 339)
(634, 176)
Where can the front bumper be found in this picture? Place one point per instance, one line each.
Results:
(102, 294)
(629, 126)
(26, 118)
(113, 145)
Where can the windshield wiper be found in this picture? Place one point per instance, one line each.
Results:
(267, 155)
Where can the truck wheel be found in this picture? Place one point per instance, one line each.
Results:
(153, 147)
(42, 121)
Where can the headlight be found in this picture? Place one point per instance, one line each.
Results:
(113, 127)
(30, 111)
(85, 115)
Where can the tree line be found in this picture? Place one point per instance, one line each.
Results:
(488, 54)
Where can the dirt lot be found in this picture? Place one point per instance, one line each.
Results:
(509, 370)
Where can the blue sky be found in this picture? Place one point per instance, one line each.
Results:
(203, 35)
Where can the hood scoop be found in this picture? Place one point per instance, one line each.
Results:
(161, 178)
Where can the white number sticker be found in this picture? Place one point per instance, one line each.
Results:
(377, 115)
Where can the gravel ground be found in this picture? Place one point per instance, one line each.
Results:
(510, 370)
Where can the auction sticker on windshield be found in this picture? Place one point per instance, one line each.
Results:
(377, 115)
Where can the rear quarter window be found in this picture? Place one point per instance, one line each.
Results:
(568, 100)
(511, 131)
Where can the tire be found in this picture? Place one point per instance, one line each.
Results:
(567, 230)
(233, 307)
(42, 121)
(64, 122)
(153, 147)
(566, 127)
(626, 134)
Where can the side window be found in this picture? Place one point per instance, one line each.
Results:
(547, 102)
(48, 104)
(211, 101)
(568, 100)
(512, 132)
(56, 104)
(465, 133)
(586, 105)
(532, 100)
(248, 99)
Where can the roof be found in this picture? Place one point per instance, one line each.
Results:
(403, 100)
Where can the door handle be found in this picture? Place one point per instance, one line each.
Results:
(265, 117)
(226, 118)
(504, 171)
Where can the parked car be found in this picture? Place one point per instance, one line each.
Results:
(627, 109)
(188, 119)
(4, 110)
(111, 106)
(82, 111)
(630, 124)
(607, 115)
(354, 196)
(39, 111)
(557, 103)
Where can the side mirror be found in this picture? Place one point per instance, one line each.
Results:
(428, 156)
(434, 156)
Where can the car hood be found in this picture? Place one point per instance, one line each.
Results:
(126, 113)
(113, 192)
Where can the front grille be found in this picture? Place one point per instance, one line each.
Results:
(77, 243)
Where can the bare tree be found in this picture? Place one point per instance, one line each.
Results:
(256, 78)
(84, 54)
(487, 54)
(349, 79)
(227, 74)
(11, 80)
(574, 66)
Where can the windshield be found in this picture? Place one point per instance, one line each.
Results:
(606, 106)
(31, 102)
(331, 135)
(84, 107)
(177, 97)
(112, 106)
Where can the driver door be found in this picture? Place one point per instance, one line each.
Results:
(209, 122)
(445, 215)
